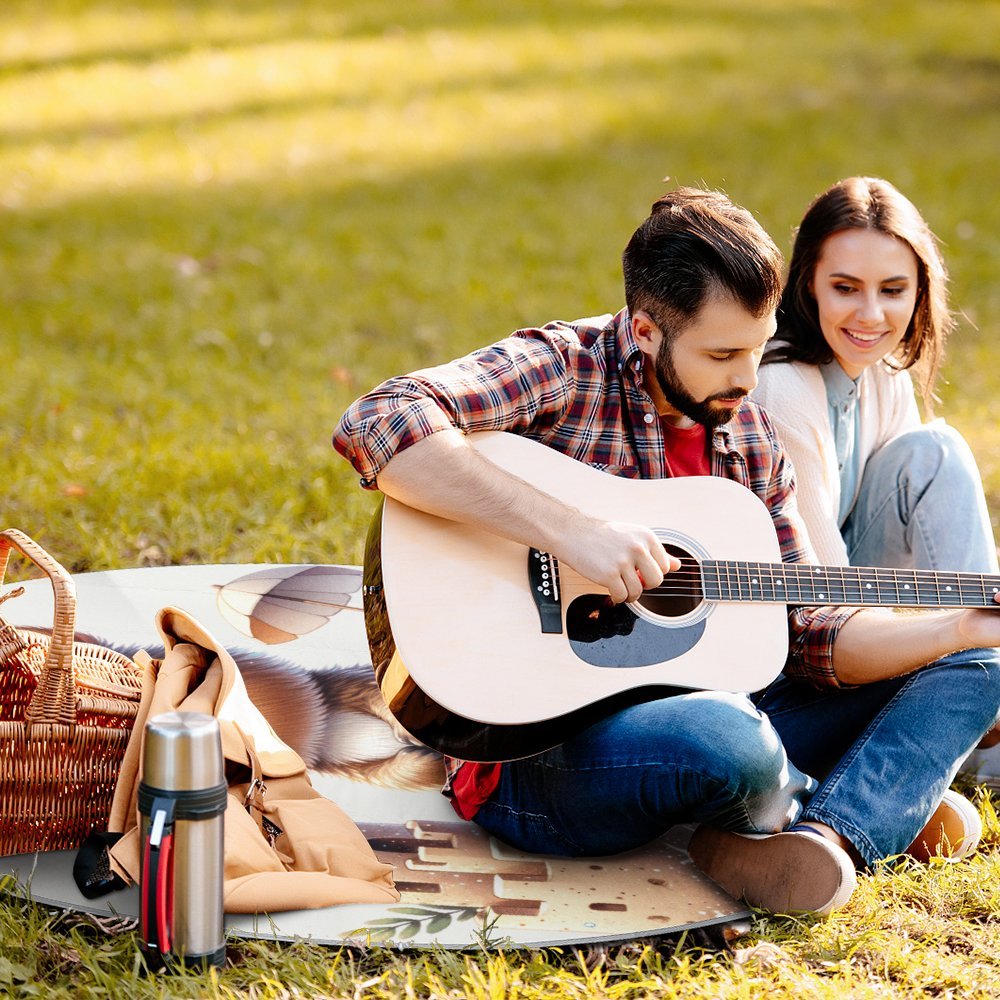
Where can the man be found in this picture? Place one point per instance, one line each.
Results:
(859, 739)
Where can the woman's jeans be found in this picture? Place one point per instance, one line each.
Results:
(920, 505)
(872, 761)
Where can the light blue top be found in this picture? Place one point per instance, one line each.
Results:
(842, 402)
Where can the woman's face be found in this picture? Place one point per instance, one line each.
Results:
(865, 285)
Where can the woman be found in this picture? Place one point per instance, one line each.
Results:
(865, 304)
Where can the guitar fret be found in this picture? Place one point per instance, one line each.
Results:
(851, 584)
(771, 595)
(807, 584)
(909, 592)
(707, 568)
(867, 586)
(969, 588)
(798, 597)
(991, 587)
(830, 593)
(766, 576)
(949, 589)
(715, 581)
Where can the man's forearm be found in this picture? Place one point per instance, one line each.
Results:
(878, 643)
(444, 475)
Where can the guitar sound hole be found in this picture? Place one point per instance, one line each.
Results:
(680, 593)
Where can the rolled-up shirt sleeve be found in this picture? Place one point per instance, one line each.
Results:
(517, 383)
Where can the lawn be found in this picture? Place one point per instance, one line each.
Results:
(221, 221)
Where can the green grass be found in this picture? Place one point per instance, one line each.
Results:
(914, 931)
(221, 221)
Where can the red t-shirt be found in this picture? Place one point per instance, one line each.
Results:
(686, 455)
(686, 450)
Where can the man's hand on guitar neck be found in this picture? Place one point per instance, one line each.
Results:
(443, 475)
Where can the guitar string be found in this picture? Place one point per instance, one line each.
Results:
(688, 581)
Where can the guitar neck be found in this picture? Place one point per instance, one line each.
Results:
(801, 583)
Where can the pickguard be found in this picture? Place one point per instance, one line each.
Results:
(612, 635)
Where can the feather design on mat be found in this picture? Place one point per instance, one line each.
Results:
(280, 604)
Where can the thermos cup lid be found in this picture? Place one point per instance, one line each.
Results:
(182, 752)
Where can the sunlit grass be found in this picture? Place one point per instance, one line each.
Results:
(909, 932)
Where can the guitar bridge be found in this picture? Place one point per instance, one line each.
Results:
(543, 577)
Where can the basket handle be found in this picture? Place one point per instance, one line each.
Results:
(54, 700)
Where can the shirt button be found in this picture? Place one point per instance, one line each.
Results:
(648, 418)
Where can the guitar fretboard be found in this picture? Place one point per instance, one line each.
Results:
(800, 583)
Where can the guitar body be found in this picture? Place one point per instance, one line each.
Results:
(458, 637)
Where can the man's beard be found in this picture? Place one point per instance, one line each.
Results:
(680, 399)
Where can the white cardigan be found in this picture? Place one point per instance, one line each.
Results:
(794, 395)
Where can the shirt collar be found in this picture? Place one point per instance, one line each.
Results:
(632, 360)
(630, 356)
(840, 387)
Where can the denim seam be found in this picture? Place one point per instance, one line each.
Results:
(540, 818)
(893, 497)
(815, 809)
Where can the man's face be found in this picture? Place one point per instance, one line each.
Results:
(703, 374)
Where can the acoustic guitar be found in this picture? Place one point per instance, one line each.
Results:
(489, 650)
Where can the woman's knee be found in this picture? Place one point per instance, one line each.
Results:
(927, 452)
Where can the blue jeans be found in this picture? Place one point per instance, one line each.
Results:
(884, 753)
(872, 761)
(697, 756)
(921, 506)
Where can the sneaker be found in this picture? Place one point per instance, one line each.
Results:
(953, 831)
(789, 872)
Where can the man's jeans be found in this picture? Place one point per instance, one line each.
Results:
(884, 754)
(710, 757)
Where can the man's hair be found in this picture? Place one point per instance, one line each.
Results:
(874, 204)
(693, 245)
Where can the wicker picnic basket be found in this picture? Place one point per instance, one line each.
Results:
(66, 711)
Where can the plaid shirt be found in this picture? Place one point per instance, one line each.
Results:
(577, 387)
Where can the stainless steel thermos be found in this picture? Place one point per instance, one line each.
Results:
(182, 801)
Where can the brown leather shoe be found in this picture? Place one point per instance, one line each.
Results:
(788, 872)
(953, 832)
